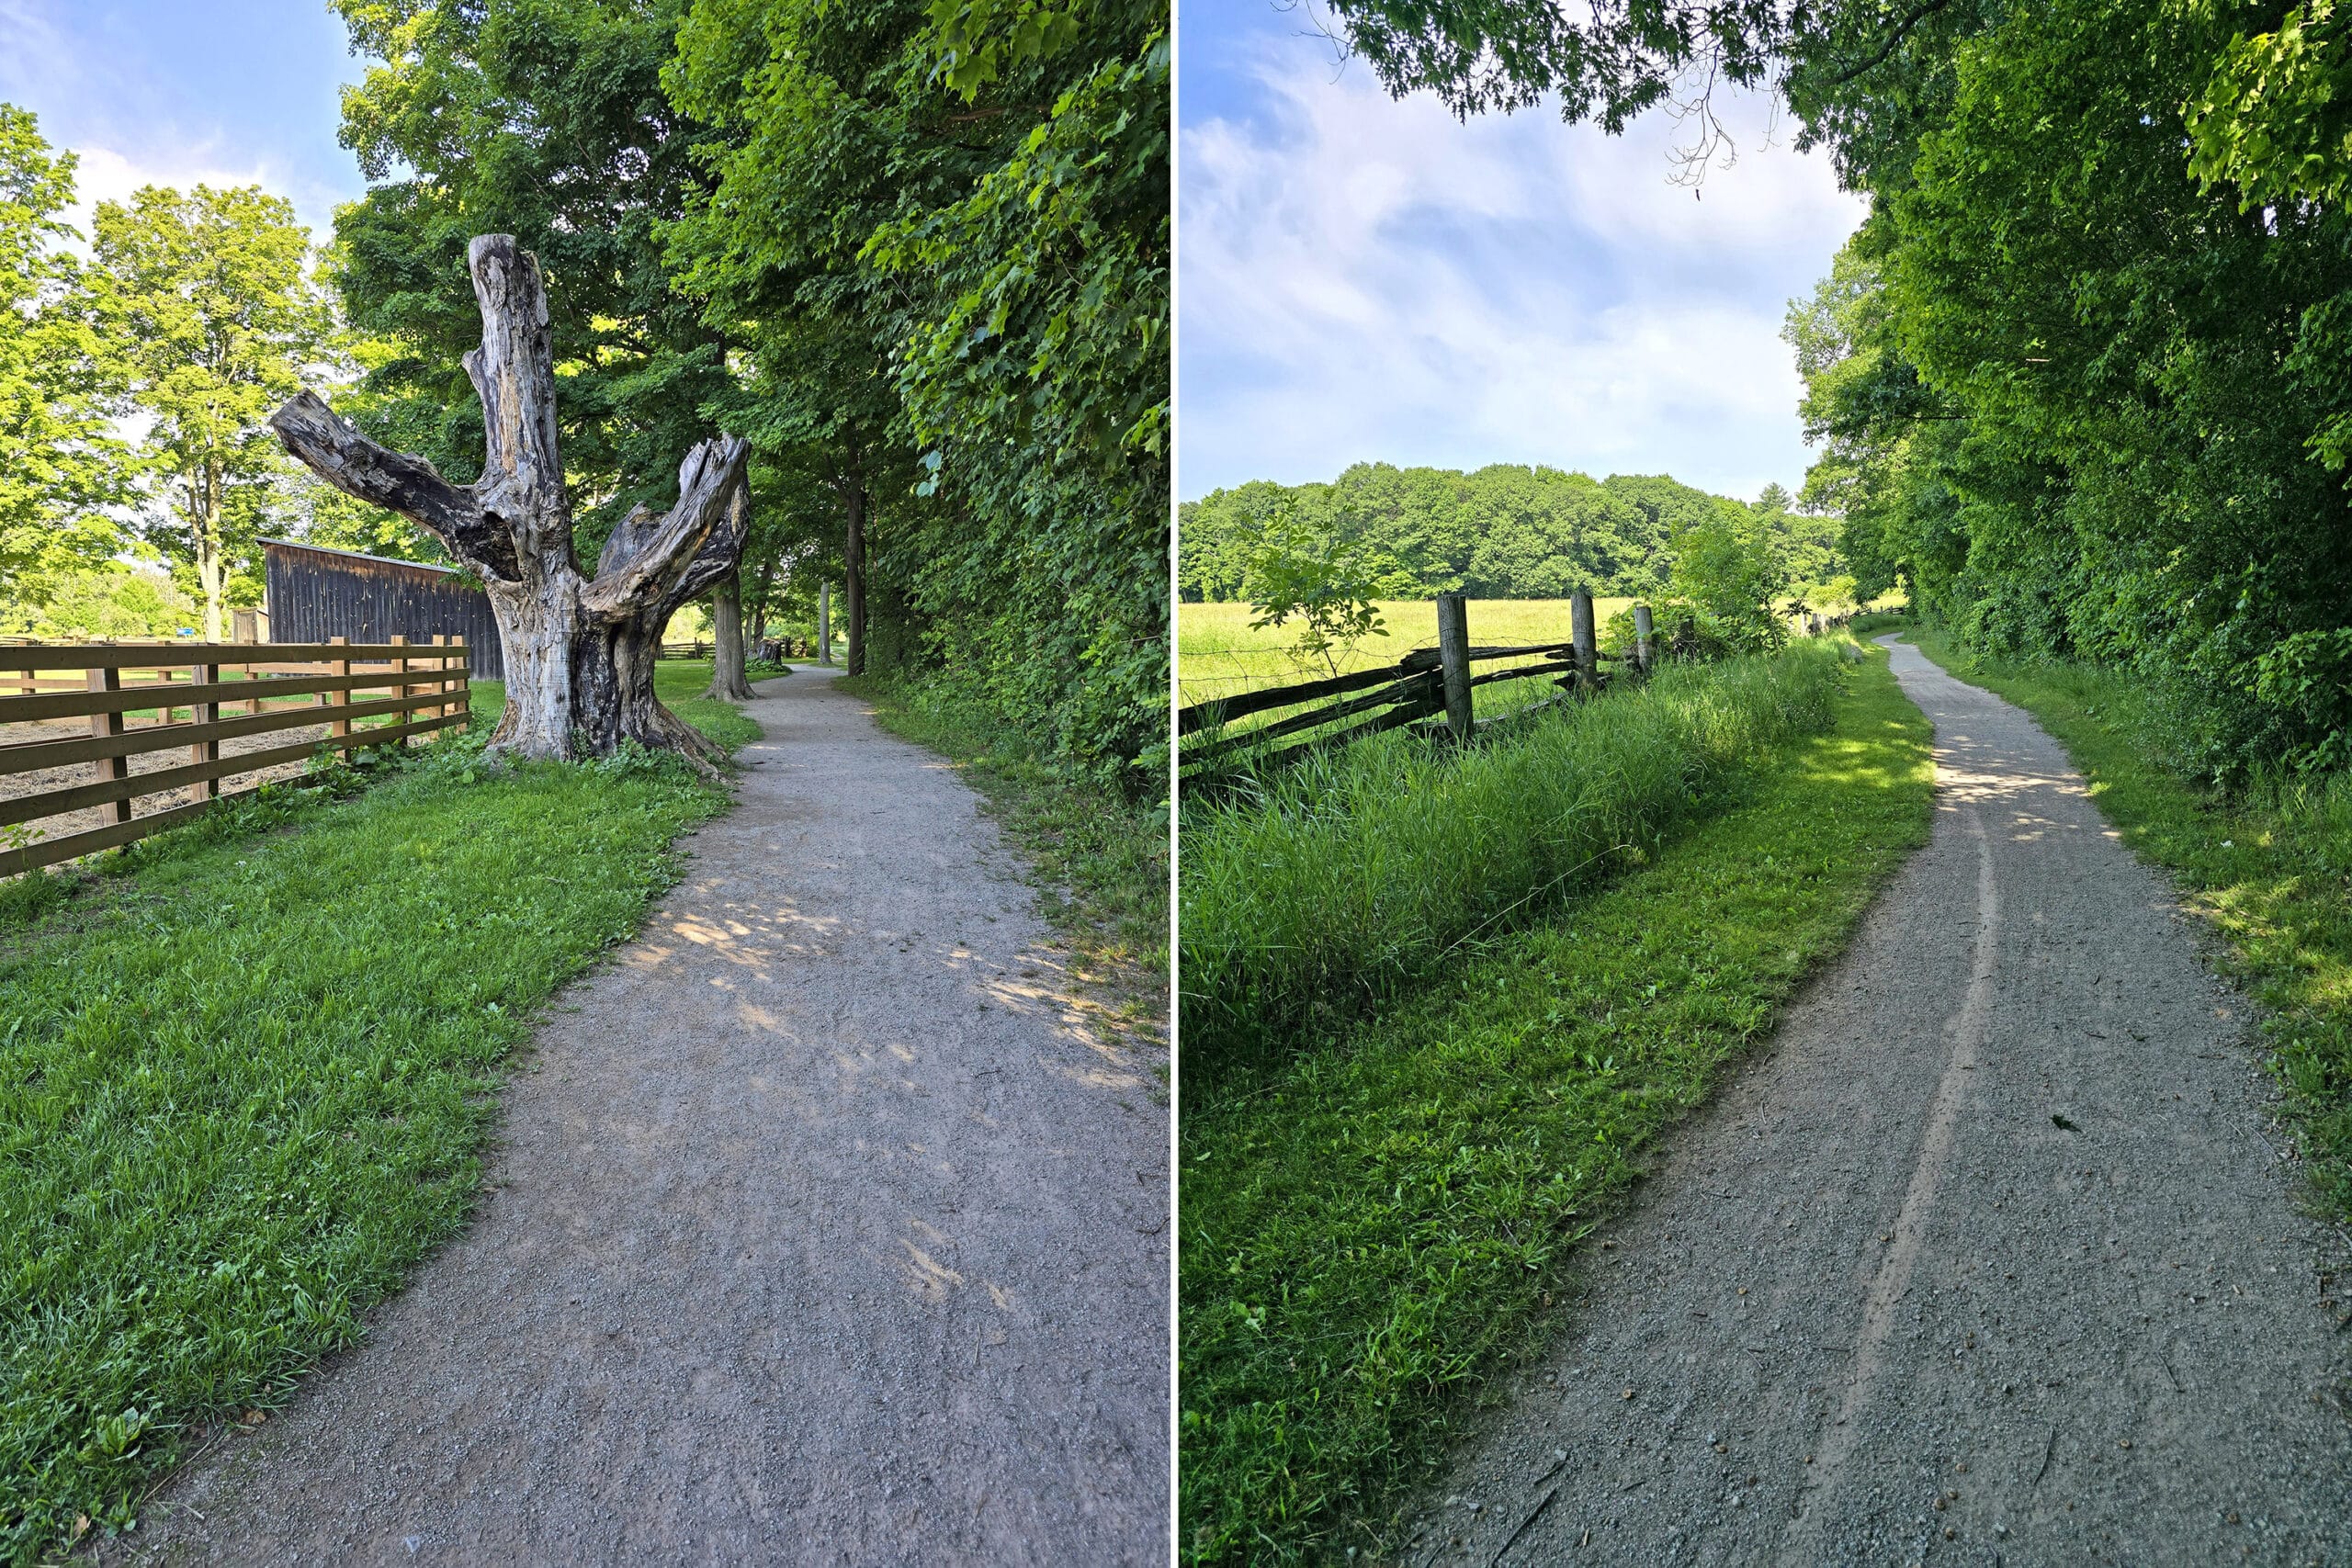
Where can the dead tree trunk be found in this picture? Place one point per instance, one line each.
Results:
(579, 650)
(728, 680)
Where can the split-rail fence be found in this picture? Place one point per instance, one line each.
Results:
(1430, 687)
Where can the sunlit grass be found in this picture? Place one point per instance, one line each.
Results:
(247, 1070)
(1374, 1226)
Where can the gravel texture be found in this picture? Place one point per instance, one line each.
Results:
(1991, 1258)
(821, 1230)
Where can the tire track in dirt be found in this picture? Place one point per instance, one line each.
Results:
(822, 1229)
(1985, 1258)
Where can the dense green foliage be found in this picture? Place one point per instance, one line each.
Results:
(945, 230)
(2089, 408)
(1504, 532)
(916, 252)
(1334, 885)
(59, 460)
(1372, 1229)
(2084, 376)
(246, 1074)
(206, 302)
(134, 374)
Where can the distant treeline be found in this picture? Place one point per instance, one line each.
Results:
(1504, 532)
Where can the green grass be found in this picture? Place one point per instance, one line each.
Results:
(2270, 868)
(1099, 859)
(246, 1069)
(1324, 890)
(1369, 1232)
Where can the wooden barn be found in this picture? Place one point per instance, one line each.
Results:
(317, 594)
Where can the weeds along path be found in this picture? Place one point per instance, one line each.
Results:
(819, 1232)
(1987, 1259)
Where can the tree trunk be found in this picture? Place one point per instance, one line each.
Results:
(854, 579)
(760, 604)
(728, 682)
(211, 580)
(579, 650)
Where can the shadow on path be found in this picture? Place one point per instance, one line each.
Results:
(819, 1232)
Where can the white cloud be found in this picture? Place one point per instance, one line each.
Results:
(102, 173)
(1368, 279)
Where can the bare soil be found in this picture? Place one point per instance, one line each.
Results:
(41, 780)
(1991, 1258)
(822, 1230)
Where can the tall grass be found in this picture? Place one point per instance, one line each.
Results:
(1311, 896)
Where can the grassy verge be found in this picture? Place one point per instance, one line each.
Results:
(2271, 870)
(1379, 1225)
(1325, 890)
(246, 1069)
(1100, 860)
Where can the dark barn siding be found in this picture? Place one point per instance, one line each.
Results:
(315, 594)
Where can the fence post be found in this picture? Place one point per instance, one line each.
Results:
(401, 685)
(1454, 661)
(1645, 629)
(1587, 646)
(208, 750)
(441, 686)
(340, 730)
(103, 723)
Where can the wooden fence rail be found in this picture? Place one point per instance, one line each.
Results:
(133, 695)
(1433, 684)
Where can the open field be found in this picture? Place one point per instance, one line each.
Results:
(1218, 653)
(1373, 1228)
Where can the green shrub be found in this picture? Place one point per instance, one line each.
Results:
(1309, 895)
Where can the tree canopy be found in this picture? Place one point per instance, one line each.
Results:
(2084, 377)
(1504, 532)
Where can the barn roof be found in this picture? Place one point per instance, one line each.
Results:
(354, 554)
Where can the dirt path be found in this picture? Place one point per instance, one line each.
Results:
(820, 1234)
(1987, 1259)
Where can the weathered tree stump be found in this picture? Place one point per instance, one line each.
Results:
(579, 650)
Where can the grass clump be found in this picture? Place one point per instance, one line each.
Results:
(247, 1070)
(2267, 864)
(1328, 888)
(1381, 1222)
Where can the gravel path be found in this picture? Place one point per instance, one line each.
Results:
(821, 1232)
(1987, 1259)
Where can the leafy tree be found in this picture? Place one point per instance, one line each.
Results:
(210, 317)
(60, 461)
(1727, 572)
(1504, 532)
(113, 600)
(942, 233)
(1294, 576)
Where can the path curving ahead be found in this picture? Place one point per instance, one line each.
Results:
(1985, 1259)
(820, 1234)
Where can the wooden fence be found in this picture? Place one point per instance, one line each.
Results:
(132, 696)
(1432, 684)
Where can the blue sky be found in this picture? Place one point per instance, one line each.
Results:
(177, 91)
(1363, 279)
